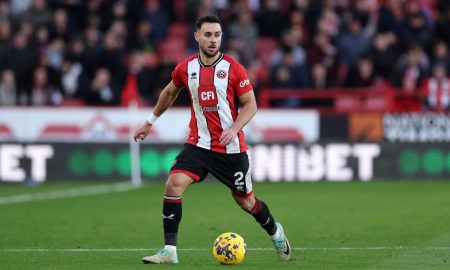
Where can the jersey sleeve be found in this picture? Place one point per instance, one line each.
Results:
(177, 75)
(242, 83)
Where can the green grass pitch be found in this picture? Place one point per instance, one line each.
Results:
(377, 225)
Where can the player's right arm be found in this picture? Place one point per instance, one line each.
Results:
(166, 98)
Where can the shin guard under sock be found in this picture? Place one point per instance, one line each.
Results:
(263, 216)
(172, 213)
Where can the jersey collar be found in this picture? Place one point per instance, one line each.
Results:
(213, 64)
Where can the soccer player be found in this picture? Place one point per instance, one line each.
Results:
(216, 142)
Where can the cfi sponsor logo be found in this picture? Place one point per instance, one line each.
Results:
(244, 83)
(221, 74)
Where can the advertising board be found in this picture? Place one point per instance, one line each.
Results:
(335, 162)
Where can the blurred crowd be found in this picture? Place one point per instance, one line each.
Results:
(109, 52)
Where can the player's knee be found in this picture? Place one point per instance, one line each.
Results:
(175, 186)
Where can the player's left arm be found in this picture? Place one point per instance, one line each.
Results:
(247, 111)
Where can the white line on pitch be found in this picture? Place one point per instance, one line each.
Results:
(66, 193)
(205, 249)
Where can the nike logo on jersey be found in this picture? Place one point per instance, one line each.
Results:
(171, 216)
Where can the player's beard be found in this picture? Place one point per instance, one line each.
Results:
(207, 53)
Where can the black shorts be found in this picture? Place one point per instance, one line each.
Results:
(231, 169)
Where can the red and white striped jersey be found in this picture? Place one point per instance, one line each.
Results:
(213, 90)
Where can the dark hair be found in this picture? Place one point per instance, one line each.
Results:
(207, 19)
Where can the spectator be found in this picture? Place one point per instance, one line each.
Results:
(103, 89)
(38, 14)
(60, 27)
(112, 56)
(366, 12)
(288, 74)
(5, 11)
(120, 31)
(21, 58)
(163, 76)
(290, 42)
(437, 90)
(322, 51)
(270, 19)
(360, 10)
(55, 53)
(8, 93)
(416, 30)
(53, 73)
(410, 69)
(119, 11)
(234, 49)
(74, 11)
(384, 54)
(144, 38)
(319, 81)
(69, 36)
(140, 81)
(353, 43)
(96, 15)
(196, 8)
(19, 7)
(443, 24)
(70, 79)
(5, 42)
(312, 11)
(75, 51)
(93, 47)
(329, 22)
(41, 39)
(390, 16)
(440, 55)
(299, 5)
(295, 19)
(244, 32)
(320, 77)
(43, 93)
(362, 74)
(157, 16)
(26, 28)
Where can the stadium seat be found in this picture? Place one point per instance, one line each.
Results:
(72, 102)
(265, 47)
(376, 103)
(179, 10)
(177, 30)
(347, 103)
(173, 48)
(277, 134)
(151, 59)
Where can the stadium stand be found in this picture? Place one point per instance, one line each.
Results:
(306, 53)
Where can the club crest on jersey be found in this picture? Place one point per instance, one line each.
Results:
(221, 74)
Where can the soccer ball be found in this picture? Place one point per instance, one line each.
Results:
(229, 248)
